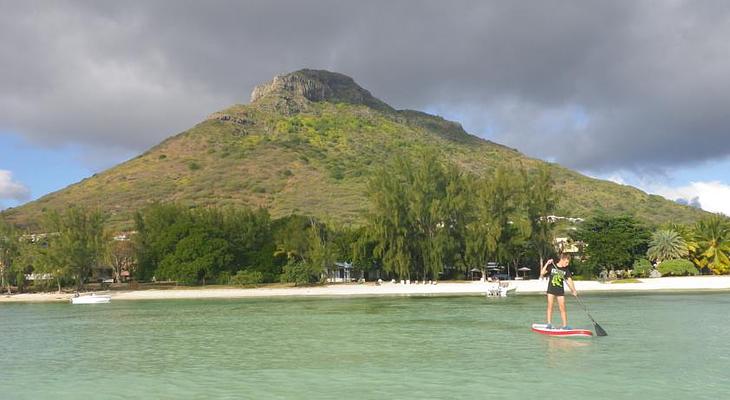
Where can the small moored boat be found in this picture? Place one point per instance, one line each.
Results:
(501, 289)
(91, 299)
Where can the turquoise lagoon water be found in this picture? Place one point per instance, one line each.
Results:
(660, 346)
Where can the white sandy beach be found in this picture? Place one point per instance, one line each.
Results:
(698, 283)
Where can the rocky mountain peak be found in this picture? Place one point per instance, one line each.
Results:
(315, 85)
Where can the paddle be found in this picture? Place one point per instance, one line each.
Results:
(599, 330)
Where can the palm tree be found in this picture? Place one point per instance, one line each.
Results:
(666, 244)
(713, 237)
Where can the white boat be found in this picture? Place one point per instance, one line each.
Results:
(500, 289)
(91, 299)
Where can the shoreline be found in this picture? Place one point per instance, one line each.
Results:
(526, 287)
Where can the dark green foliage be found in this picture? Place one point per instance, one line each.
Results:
(291, 237)
(195, 245)
(301, 273)
(612, 242)
(642, 267)
(197, 256)
(194, 166)
(677, 268)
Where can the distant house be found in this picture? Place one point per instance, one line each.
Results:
(38, 277)
(340, 272)
(556, 218)
(566, 245)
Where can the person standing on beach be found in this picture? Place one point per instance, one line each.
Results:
(557, 274)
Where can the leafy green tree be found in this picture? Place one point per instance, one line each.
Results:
(159, 228)
(249, 235)
(666, 245)
(76, 243)
(197, 257)
(344, 240)
(410, 221)
(713, 238)
(510, 229)
(390, 226)
(479, 249)
(363, 252)
(541, 201)
(9, 252)
(197, 245)
(38, 256)
(121, 256)
(499, 230)
(459, 210)
(321, 252)
(291, 235)
(612, 242)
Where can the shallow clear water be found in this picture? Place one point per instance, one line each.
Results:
(660, 346)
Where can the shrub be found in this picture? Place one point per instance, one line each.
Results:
(642, 267)
(193, 166)
(300, 273)
(247, 278)
(677, 268)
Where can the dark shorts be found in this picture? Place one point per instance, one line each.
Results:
(555, 290)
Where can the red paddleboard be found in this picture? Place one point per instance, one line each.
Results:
(544, 330)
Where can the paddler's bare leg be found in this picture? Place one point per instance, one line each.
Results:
(561, 305)
(550, 299)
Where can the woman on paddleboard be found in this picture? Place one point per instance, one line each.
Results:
(557, 274)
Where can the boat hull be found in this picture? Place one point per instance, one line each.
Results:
(93, 299)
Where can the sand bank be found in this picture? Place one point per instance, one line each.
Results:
(370, 289)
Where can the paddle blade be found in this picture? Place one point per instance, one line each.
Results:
(599, 330)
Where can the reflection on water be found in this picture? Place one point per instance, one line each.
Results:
(557, 348)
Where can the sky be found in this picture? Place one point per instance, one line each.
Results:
(631, 91)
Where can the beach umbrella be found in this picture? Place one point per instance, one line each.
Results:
(524, 271)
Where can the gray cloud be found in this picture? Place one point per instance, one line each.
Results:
(592, 84)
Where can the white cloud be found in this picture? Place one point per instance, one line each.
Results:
(10, 189)
(615, 178)
(714, 196)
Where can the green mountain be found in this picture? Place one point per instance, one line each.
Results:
(307, 143)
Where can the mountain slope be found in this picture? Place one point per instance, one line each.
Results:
(306, 144)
